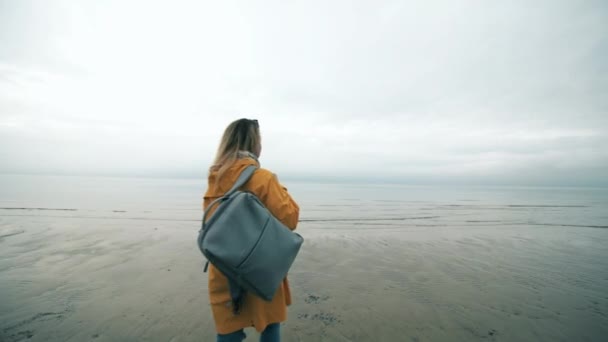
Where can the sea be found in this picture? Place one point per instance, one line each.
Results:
(327, 205)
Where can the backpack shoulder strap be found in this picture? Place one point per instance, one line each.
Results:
(243, 178)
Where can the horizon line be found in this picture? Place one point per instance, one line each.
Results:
(350, 180)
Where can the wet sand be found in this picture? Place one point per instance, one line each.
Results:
(137, 280)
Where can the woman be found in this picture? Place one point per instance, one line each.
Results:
(240, 147)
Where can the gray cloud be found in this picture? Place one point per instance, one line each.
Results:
(434, 91)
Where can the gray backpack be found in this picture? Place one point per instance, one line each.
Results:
(244, 241)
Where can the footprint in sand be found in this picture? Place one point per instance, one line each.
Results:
(312, 299)
(326, 318)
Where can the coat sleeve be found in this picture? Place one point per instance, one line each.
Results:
(280, 203)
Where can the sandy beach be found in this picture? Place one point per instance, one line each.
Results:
(142, 280)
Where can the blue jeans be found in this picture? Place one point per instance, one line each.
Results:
(272, 333)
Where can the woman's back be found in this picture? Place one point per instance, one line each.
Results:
(264, 184)
(255, 311)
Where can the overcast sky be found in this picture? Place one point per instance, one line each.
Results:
(499, 92)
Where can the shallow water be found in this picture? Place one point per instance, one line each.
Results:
(111, 259)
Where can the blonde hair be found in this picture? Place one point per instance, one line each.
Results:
(240, 135)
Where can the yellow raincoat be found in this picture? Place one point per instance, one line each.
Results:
(256, 312)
